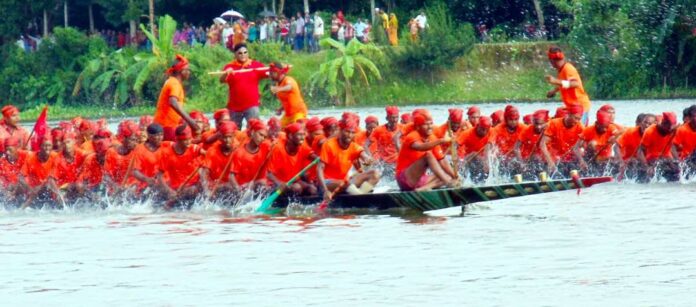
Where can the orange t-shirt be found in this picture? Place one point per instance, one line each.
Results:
(408, 155)
(590, 134)
(177, 168)
(685, 141)
(116, 166)
(284, 166)
(384, 138)
(469, 142)
(69, 171)
(318, 142)
(165, 114)
(629, 142)
(9, 172)
(360, 137)
(562, 139)
(87, 147)
(292, 101)
(505, 139)
(440, 132)
(36, 172)
(216, 162)
(247, 165)
(571, 96)
(147, 162)
(6, 132)
(655, 144)
(337, 160)
(92, 172)
(529, 142)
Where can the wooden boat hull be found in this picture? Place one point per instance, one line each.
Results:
(442, 198)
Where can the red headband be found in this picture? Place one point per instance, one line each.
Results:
(127, 129)
(606, 108)
(485, 122)
(227, 127)
(348, 124)
(103, 133)
(456, 115)
(283, 69)
(185, 134)
(256, 125)
(181, 64)
(498, 116)
(9, 110)
(473, 110)
(328, 121)
(541, 115)
(145, 121)
(555, 56)
(575, 109)
(293, 128)
(371, 120)
(58, 133)
(406, 118)
(527, 119)
(274, 123)
(670, 117)
(219, 114)
(392, 110)
(511, 113)
(603, 118)
(421, 116)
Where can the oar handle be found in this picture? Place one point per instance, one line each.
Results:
(304, 170)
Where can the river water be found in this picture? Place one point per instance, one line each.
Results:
(613, 244)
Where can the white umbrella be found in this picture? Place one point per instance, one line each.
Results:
(219, 20)
(233, 14)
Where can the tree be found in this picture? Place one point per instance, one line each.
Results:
(162, 54)
(336, 75)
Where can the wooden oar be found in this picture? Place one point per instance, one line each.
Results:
(222, 72)
(258, 172)
(325, 204)
(169, 204)
(266, 204)
(453, 152)
(128, 170)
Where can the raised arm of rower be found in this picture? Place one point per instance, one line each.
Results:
(424, 146)
(545, 151)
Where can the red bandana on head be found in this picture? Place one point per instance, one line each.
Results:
(180, 64)
(313, 124)
(293, 128)
(9, 110)
(371, 120)
(227, 128)
(456, 115)
(392, 110)
(556, 55)
(280, 69)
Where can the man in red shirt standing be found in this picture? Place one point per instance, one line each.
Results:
(242, 76)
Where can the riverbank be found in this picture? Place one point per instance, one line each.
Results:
(510, 72)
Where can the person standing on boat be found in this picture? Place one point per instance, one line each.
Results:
(420, 152)
(656, 149)
(288, 92)
(567, 82)
(9, 126)
(288, 158)
(170, 104)
(560, 137)
(384, 136)
(243, 98)
(338, 154)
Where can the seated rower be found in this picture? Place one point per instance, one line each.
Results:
(473, 114)
(338, 154)
(475, 146)
(594, 148)
(684, 145)
(655, 153)
(528, 150)
(120, 167)
(92, 175)
(383, 136)
(559, 138)
(218, 162)
(179, 167)
(420, 152)
(629, 143)
(11, 163)
(274, 130)
(38, 173)
(506, 135)
(68, 167)
(452, 128)
(146, 165)
(288, 158)
(250, 159)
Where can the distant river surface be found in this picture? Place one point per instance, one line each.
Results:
(617, 244)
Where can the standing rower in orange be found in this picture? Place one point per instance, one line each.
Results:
(560, 137)
(655, 153)
(170, 104)
(288, 158)
(568, 83)
(288, 92)
(384, 136)
(421, 151)
(338, 155)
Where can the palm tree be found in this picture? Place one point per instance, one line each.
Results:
(339, 69)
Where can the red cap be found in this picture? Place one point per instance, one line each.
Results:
(670, 117)
(555, 54)
(57, 133)
(485, 122)
(103, 133)
(561, 112)
(371, 120)
(527, 119)
(145, 121)
(406, 117)
(392, 110)
(456, 115)
(274, 123)
(86, 125)
(348, 124)
(227, 127)
(184, 134)
(198, 116)
(603, 118)
(421, 116)
(293, 128)
(575, 109)
(180, 64)
(256, 125)
(542, 115)
(328, 121)
(9, 110)
(606, 108)
(498, 116)
(219, 114)
(472, 110)
(511, 113)
(313, 124)
(126, 129)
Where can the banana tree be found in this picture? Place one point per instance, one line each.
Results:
(337, 74)
(109, 76)
(162, 54)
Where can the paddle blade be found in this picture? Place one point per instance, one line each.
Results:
(588, 182)
(266, 204)
(322, 207)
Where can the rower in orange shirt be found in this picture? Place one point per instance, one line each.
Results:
(11, 163)
(330, 126)
(629, 143)
(119, 166)
(529, 142)
(179, 167)
(146, 165)
(68, 167)
(497, 117)
(559, 138)
(38, 173)
(475, 146)
(288, 158)
(594, 149)
(568, 83)
(473, 114)
(202, 121)
(170, 104)
(274, 131)
(218, 162)
(366, 139)
(684, 145)
(507, 134)
(9, 126)
(211, 136)
(453, 127)
(656, 149)
(384, 136)
(421, 152)
(338, 155)
(288, 92)
(249, 158)
(86, 129)
(92, 173)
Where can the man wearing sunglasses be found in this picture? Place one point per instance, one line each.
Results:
(243, 75)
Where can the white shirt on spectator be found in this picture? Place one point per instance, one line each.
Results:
(263, 32)
(318, 26)
(299, 26)
(359, 28)
(422, 21)
(226, 32)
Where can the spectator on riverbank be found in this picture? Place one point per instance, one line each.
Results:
(359, 29)
(299, 32)
(318, 30)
